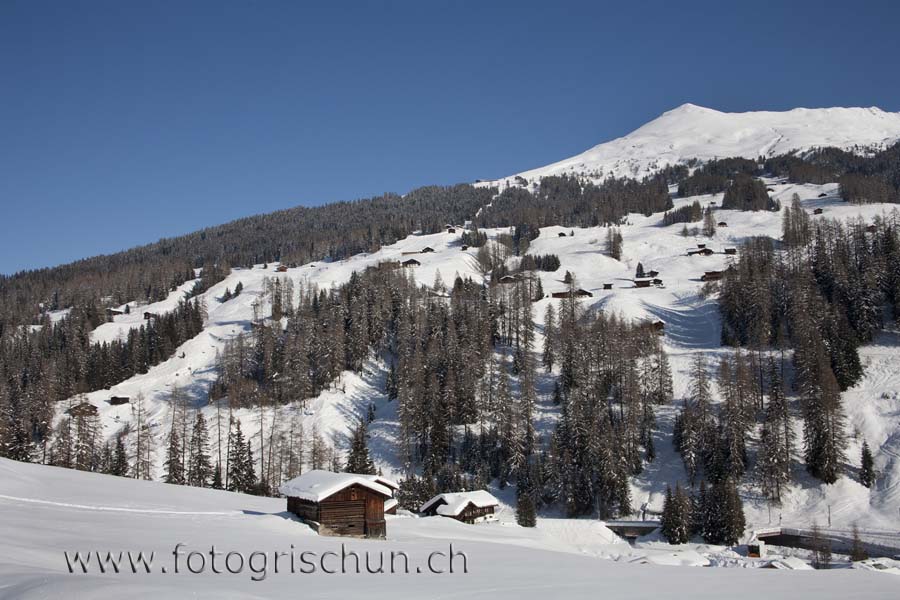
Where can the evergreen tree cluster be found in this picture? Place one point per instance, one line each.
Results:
(690, 213)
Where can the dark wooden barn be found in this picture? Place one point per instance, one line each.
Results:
(117, 400)
(712, 276)
(721, 224)
(344, 504)
(561, 234)
(643, 283)
(411, 263)
(467, 507)
(451, 230)
(607, 286)
(701, 252)
(818, 211)
(281, 269)
(730, 250)
(579, 293)
(426, 250)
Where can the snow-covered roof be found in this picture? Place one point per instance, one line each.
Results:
(388, 483)
(390, 503)
(791, 563)
(317, 485)
(456, 502)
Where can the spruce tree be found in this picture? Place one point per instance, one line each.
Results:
(867, 468)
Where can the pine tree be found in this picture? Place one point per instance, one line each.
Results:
(119, 464)
(199, 462)
(358, 460)
(217, 483)
(857, 550)
(676, 516)
(867, 468)
(173, 466)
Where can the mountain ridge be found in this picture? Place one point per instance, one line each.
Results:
(690, 131)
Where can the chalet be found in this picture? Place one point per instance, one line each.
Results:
(451, 230)
(281, 269)
(464, 247)
(701, 251)
(150, 315)
(390, 506)
(643, 282)
(579, 293)
(506, 280)
(83, 409)
(730, 250)
(411, 263)
(112, 312)
(426, 250)
(117, 400)
(721, 224)
(712, 276)
(467, 507)
(607, 286)
(561, 234)
(338, 503)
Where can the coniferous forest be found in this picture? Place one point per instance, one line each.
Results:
(463, 364)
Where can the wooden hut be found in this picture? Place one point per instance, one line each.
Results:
(411, 263)
(721, 224)
(701, 252)
(464, 247)
(560, 234)
(112, 312)
(451, 230)
(712, 276)
(426, 250)
(281, 269)
(701, 245)
(818, 211)
(506, 280)
(607, 286)
(579, 293)
(651, 273)
(643, 282)
(467, 507)
(150, 315)
(117, 400)
(730, 250)
(338, 503)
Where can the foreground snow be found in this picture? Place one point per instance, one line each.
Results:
(47, 511)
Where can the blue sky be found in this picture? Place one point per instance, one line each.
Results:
(122, 122)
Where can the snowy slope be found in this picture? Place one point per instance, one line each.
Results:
(47, 511)
(692, 325)
(691, 131)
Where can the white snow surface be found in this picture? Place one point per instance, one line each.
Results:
(317, 485)
(46, 511)
(456, 502)
(692, 131)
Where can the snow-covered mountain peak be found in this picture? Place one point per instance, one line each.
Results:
(696, 132)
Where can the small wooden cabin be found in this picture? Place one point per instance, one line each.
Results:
(467, 507)
(721, 224)
(451, 230)
(701, 252)
(345, 504)
(643, 282)
(560, 234)
(411, 263)
(426, 250)
(83, 409)
(730, 250)
(712, 276)
(112, 312)
(579, 293)
(464, 247)
(818, 211)
(506, 280)
(117, 400)
(652, 273)
(281, 269)
(150, 315)
(607, 286)
(701, 245)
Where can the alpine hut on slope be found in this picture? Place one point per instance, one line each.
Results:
(467, 507)
(339, 503)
